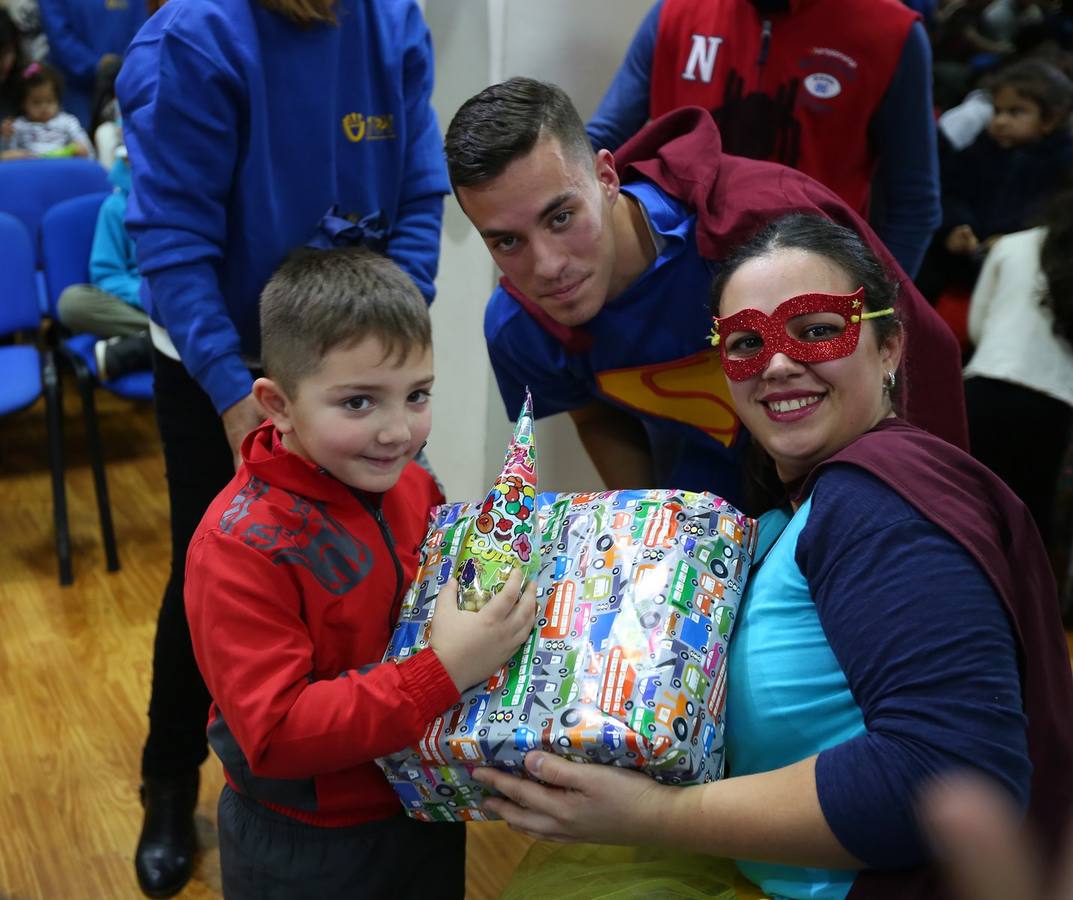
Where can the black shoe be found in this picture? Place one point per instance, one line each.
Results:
(120, 355)
(164, 859)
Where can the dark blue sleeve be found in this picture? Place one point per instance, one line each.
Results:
(907, 177)
(624, 108)
(524, 355)
(929, 655)
(965, 184)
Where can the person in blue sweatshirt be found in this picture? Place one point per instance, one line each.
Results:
(247, 122)
(110, 305)
(83, 34)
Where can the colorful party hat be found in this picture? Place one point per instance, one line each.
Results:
(504, 536)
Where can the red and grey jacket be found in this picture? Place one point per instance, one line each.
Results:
(293, 583)
(798, 87)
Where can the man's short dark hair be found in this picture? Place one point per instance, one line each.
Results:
(318, 300)
(503, 123)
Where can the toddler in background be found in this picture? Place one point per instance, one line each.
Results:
(996, 185)
(43, 129)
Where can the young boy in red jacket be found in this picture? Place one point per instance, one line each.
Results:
(294, 579)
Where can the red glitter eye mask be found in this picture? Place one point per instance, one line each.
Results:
(807, 328)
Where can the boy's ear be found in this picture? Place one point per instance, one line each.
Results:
(274, 402)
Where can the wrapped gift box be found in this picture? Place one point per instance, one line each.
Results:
(627, 665)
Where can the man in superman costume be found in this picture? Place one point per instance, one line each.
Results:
(603, 310)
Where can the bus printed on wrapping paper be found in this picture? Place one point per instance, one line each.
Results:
(597, 587)
(729, 526)
(618, 681)
(428, 747)
(718, 697)
(683, 587)
(521, 674)
(660, 526)
(462, 736)
(559, 611)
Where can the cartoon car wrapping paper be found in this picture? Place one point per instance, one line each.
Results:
(638, 591)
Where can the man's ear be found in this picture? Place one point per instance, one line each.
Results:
(274, 402)
(606, 173)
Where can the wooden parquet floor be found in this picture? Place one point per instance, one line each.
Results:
(75, 670)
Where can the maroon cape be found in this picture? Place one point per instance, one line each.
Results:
(734, 198)
(970, 503)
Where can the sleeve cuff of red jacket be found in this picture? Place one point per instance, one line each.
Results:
(427, 681)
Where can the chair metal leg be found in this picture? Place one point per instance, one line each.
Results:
(96, 459)
(54, 424)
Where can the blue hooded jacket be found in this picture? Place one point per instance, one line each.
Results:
(112, 266)
(79, 33)
(244, 129)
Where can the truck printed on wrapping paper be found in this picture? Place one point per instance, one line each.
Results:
(638, 593)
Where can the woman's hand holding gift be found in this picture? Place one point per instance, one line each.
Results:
(578, 802)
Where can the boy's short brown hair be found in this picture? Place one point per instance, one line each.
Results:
(318, 300)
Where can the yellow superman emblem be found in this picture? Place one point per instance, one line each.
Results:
(691, 390)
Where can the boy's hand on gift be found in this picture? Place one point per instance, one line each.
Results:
(962, 241)
(578, 801)
(474, 645)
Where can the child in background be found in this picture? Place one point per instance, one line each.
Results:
(110, 305)
(1019, 382)
(104, 121)
(43, 129)
(294, 579)
(998, 183)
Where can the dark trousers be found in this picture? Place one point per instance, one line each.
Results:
(198, 465)
(1021, 436)
(268, 856)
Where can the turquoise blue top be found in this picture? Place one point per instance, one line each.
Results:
(869, 638)
(792, 676)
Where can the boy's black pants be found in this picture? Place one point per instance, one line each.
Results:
(265, 855)
(198, 465)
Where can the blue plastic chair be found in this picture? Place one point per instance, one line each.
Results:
(66, 240)
(31, 187)
(28, 371)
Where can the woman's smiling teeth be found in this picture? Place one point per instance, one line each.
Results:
(782, 406)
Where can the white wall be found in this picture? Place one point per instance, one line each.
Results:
(578, 44)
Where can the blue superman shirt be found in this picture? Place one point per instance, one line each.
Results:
(649, 355)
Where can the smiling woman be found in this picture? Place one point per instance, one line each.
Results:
(899, 621)
(793, 305)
